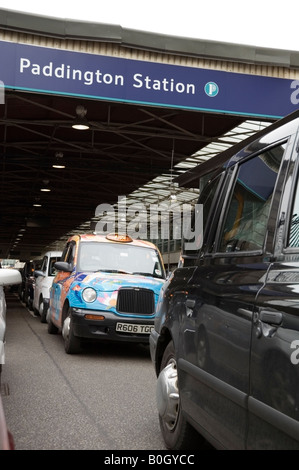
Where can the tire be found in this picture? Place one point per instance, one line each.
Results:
(22, 296)
(72, 344)
(177, 433)
(52, 329)
(42, 312)
(35, 311)
(29, 303)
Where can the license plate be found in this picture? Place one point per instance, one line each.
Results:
(133, 328)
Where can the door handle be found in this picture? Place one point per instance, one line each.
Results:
(245, 313)
(273, 318)
(190, 303)
(267, 323)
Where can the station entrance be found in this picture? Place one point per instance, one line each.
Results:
(151, 118)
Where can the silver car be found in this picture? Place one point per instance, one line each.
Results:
(8, 277)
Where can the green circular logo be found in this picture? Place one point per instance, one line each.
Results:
(211, 89)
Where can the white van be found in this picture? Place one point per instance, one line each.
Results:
(43, 282)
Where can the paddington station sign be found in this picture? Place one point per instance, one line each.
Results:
(60, 72)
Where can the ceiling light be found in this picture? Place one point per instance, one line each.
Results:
(80, 123)
(58, 163)
(45, 187)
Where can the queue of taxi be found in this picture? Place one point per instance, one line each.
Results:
(98, 288)
(223, 328)
(106, 289)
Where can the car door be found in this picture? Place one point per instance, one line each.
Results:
(217, 326)
(60, 285)
(39, 282)
(274, 397)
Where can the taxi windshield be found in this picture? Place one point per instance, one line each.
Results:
(119, 258)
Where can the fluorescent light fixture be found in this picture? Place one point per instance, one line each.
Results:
(57, 165)
(80, 123)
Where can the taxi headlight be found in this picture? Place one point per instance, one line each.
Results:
(89, 294)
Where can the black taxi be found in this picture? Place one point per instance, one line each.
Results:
(226, 341)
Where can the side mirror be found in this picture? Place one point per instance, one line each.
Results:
(63, 266)
(37, 273)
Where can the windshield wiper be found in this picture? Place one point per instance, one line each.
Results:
(144, 274)
(114, 271)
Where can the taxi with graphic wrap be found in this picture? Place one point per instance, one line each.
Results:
(106, 289)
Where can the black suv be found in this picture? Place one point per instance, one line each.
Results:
(226, 341)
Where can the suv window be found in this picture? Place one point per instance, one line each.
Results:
(52, 271)
(246, 219)
(206, 198)
(68, 253)
(44, 264)
(293, 238)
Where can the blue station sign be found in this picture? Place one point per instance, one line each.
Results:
(46, 70)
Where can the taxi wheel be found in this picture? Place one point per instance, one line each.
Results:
(42, 312)
(72, 344)
(52, 329)
(178, 434)
(29, 303)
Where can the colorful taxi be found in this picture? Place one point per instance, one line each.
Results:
(106, 288)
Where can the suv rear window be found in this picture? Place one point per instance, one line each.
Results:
(293, 237)
(246, 220)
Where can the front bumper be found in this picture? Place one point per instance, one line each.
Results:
(105, 329)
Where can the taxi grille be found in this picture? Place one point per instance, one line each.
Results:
(135, 300)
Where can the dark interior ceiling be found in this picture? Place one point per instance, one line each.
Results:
(125, 147)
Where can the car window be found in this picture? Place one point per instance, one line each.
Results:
(70, 255)
(246, 220)
(293, 236)
(207, 196)
(115, 257)
(68, 252)
(52, 270)
(206, 199)
(44, 264)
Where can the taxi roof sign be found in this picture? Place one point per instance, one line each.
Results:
(118, 237)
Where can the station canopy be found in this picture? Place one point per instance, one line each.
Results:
(53, 177)
(129, 150)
